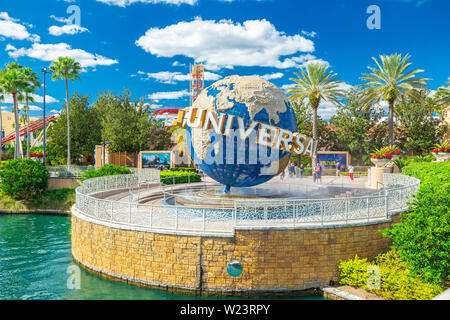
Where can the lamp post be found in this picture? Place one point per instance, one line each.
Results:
(44, 71)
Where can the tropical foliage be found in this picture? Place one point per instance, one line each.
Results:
(316, 84)
(422, 236)
(66, 68)
(396, 281)
(390, 81)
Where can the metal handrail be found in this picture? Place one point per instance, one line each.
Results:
(251, 213)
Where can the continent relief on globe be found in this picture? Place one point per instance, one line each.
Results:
(256, 94)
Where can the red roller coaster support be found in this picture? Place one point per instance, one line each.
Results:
(23, 131)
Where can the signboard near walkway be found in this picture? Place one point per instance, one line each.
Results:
(330, 159)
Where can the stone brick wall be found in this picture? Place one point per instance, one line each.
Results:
(273, 260)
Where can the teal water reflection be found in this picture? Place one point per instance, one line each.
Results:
(35, 254)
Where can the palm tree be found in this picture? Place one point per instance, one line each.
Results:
(391, 81)
(32, 80)
(12, 81)
(316, 83)
(68, 69)
(443, 94)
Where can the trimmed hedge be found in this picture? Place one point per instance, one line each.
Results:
(108, 170)
(24, 179)
(167, 177)
(396, 280)
(422, 238)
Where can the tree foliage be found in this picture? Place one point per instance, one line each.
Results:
(422, 238)
(358, 127)
(128, 125)
(24, 179)
(85, 130)
(418, 129)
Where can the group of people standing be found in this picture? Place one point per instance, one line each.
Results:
(316, 172)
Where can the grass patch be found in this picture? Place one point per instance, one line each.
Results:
(61, 199)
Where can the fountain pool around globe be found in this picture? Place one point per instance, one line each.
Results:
(252, 99)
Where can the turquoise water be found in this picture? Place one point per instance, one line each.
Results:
(35, 254)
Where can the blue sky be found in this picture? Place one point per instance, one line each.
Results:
(147, 45)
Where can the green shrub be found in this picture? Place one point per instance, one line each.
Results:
(108, 170)
(59, 194)
(422, 238)
(307, 171)
(396, 280)
(24, 179)
(168, 177)
(183, 169)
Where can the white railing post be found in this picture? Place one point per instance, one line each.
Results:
(322, 213)
(386, 204)
(112, 210)
(151, 217)
(368, 210)
(96, 208)
(129, 213)
(176, 219)
(346, 210)
(204, 220)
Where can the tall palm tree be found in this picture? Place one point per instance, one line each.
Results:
(443, 94)
(12, 81)
(391, 81)
(316, 84)
(33, 83)
(68, 69)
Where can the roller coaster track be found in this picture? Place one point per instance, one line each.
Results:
(33, 127)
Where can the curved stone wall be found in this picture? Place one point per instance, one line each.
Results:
(274, 260)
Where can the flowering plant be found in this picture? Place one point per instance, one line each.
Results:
(393, 150)
(444, 147)
(382, 153)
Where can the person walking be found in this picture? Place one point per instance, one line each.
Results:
(350, 172)
(314, 174)
(319, 173)
(338, 170)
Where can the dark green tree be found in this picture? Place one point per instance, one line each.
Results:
(358, 127)
(85, 130)
(418, 129)
(128, 124)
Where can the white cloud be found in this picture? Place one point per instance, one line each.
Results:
(37, 98)
(173, 77)
(271, 76)
(66, 29)
(178, 64)
(224, 44)
(172, 95)
(125, 3)
(61, 19)
(54, 111)
(311, 34)
(51, 52)
(10, 28)
(31, 107)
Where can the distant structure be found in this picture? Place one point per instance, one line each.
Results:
(197, 80)
(166, 115)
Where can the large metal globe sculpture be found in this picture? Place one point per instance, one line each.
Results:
(253, 99)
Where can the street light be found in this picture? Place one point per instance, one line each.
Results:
(44, 71)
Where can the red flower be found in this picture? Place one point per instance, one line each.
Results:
(397, 152)
(32, 154)
(447, 150)
(377, 156)
(441, 149)
(435, 150)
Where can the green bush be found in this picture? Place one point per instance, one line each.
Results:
(183, 169)
(108, 170)
(24, 179)
(396, 280)
(422, 238)
(307, 171)
(168, 177)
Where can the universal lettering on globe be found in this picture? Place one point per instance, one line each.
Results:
(243, 118)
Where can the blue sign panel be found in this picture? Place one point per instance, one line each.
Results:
(331, 160)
